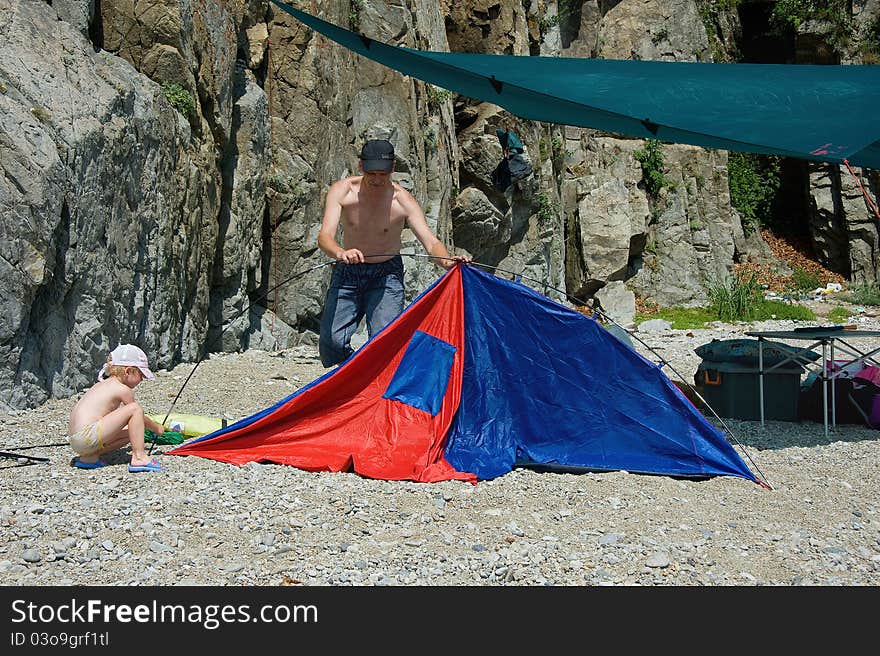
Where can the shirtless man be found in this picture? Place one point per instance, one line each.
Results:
(107, 417)
(373, 211)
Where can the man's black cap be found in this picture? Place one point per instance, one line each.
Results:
(378, 155)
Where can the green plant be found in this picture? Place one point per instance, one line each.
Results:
(651, 159)
(42, 114)
(735, 299)
(754, 184)
(867, 293)
(661, 35)
(791, 14)
(437, 97)
(711, 14)
(354, 14)
(803, 280)
(760, 310)
(543, 150)
(180, 99)
(680, 318)
(278, 182)
(838, 315)
(546, 22)
(430, 140)
(781, 310)
(546, 207)
(288, 184)
(870, 45)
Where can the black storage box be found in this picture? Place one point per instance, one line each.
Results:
(732, 390)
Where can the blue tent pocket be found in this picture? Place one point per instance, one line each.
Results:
(422, 376)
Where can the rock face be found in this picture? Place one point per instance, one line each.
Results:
(109, 211)
(163, 170)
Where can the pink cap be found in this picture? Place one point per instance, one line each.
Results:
(129, 355)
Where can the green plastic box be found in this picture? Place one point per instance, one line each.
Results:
(732, 390)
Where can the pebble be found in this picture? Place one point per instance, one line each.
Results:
(211, 523)
(658, 559)
(31, 556)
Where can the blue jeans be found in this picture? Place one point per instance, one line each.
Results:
(356, 291)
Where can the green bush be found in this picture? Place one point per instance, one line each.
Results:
(780, 310)
(735, 299)
(790, 14)
(865, 294)
(651, 159)
(761, 310)
(547, 210)
(180, 99)
(754, 183)
(437, 97)
(354, 16)
(803, 280)
(680, 318)
(870, 45)
(838, 315)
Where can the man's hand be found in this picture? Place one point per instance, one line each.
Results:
(450, 262)
(350, 256)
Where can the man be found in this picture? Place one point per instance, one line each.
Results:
(367, 280)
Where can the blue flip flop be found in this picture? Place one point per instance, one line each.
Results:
(90, 465)
(152, 466)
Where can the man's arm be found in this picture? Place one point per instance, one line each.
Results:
(416, 221)
(330, 224)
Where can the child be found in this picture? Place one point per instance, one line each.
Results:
(107, 416)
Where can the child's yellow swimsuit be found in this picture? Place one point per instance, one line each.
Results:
(88, 439)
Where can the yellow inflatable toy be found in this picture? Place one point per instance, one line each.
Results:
(190, 425)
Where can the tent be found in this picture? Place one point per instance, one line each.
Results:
(819, 113)
(477, 376)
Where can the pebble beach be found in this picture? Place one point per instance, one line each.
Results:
(202, 522)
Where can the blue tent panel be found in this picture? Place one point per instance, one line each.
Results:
(545, 384)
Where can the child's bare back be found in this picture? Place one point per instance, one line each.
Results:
(100, 400)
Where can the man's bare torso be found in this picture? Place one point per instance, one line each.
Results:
(372, 219)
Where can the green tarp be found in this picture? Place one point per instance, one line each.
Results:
(820, 113)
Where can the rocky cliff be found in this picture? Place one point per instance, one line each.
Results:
(163, 167)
